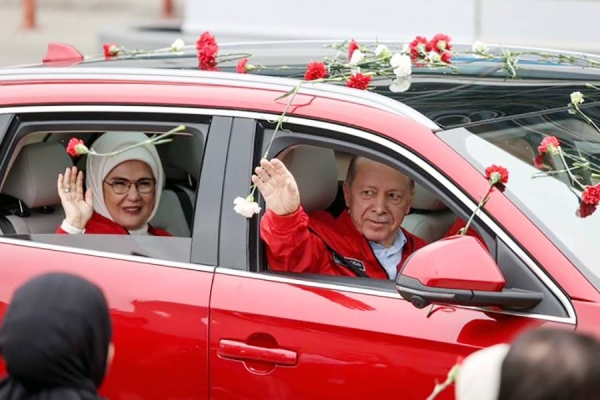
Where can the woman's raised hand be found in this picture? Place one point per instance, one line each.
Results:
(277, 186)
(77, 205)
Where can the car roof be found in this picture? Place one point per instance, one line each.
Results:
(481, 90)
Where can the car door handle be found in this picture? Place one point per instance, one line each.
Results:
(243, 351)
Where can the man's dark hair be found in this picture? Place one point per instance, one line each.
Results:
(352, 172)
(551, 364)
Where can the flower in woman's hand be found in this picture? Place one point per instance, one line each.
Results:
(110, 50)
(177, 45)
(550, 145)
(359, 81)
(315, 70)
(76, 147)
(497, 176)
(246, 206)
(591, 195)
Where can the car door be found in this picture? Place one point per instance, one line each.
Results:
(284, 335)
(157, 288)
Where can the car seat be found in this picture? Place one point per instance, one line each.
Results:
(32, 182)
(429, 218)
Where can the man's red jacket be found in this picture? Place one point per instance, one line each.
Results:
(302, 243)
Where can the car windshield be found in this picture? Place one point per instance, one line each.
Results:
(551, 201)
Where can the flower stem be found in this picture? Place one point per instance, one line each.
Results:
(154, 140)
(463, 230)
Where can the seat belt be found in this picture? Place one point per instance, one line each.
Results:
(6, 227)
(186, 204)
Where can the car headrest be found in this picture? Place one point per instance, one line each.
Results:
(32, 178)
(426, 201)
(185, 154)
(315, 172)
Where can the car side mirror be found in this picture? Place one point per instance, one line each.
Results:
(458, 270)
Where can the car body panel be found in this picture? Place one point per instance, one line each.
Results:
(159, 314)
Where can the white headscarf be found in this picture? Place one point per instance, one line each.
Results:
(98, 167)
(480, 374)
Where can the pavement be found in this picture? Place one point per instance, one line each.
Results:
(76, 22)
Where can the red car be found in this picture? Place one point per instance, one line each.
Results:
(199, 315)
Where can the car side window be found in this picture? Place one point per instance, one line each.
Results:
(31, 208)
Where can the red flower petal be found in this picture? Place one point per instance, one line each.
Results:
(418, 47)
(439, 43)
(497, 175)
(315, 70)
(207, 48)
(241, 66)
(351, 47)
(591, 195)
(585, 210)
(548, 144)
(359, 81)
(72, 146)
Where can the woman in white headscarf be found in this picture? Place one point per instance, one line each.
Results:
(123, 190)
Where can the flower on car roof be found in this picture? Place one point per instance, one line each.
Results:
(207, 49)
(359, 81)
(110, 50)
(315, 70)
(352, 47)
(550, 145)
(177, 45)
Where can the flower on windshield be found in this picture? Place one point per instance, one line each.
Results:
(382, 51)
(576, 98)
(418, 48)
(207, 49)
(402, 65)
(359, 81)
(585, 210)
(591, 195)
(315, 70)
(550, 145)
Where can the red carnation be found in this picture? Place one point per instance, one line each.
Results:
(315, 70)
(418, 47)
(359, 81)
(585, 210)
(241, 66)
(207, 48)
(110, 50)
(497, 176)
(351, 47)
(76, 147)
(540, 163)
(439, 43)
(591, 195)
(446, 57)
(550, 144)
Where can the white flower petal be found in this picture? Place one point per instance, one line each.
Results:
(405, 48)
(400, 85)
(479, 48)
(577, 98)
(357, 57)
(177, 45)
(245, 207)
(402, 65)
(382, 51)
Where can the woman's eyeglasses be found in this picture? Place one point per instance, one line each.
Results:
(122, 186)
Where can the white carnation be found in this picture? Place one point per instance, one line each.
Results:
(177, 45)
(479, 48)
(402, 65)
(357, 57)
(246, 206)
(382, 51)
(576, 98)
(405, 48)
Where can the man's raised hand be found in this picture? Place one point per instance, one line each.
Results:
(277, 186)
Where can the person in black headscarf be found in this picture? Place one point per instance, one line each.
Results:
(55, 340)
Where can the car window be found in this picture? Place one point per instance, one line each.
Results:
(31, 209)
(551, 201)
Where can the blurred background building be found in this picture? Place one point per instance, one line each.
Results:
(86, 24)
